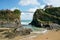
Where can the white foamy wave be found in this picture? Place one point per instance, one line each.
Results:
(40, 31)
(44, 31)
(24, 23)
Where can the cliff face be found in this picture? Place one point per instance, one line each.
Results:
(47, 16)
(9, 17)
(8, 14)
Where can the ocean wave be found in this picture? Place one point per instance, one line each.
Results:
(44, 31)
(25, 23)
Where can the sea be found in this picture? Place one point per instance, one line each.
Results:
(25, 23)
(35, 31)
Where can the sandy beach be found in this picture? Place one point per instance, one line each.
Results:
(50, 35)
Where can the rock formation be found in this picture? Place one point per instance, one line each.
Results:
(46, 17)
(9, 18)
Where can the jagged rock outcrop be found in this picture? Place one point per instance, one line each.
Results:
(10, 18)
(46, 17)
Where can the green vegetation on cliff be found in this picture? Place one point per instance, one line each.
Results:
(49, 15)
(8, 15)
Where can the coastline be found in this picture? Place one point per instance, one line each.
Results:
(26, 37)
(48, 35)
(31, 36)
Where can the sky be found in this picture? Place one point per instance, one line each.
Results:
(27, 5)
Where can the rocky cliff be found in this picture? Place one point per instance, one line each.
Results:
(8, 17)
(47, 16)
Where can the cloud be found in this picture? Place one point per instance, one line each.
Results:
(28, 16)
(55, 3)
(22, 13)
(32, 9)
(28, 2)
(12, 9)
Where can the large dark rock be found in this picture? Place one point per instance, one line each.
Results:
(47, 16)
(35, 23)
